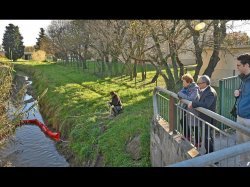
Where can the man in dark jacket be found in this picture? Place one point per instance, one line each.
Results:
(208, 98)
(115, 103)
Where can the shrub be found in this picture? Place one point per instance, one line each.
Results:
(39, 55)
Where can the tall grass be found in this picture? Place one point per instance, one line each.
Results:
(6, 126)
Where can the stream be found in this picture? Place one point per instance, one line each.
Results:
(29, 146)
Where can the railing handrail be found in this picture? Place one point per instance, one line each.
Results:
(229, 77)
(215, 156)
(209, 113)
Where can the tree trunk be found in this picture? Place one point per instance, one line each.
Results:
(173, 59)
(143, 71)
(103, 68)
(115, 66)
(84, 65)
(198, 54)
(154, 79)
(109, 65)
(181, 66)
(198, 48)
(135, 69)
(219, 36)
(214, 59)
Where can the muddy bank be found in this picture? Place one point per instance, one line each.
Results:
(63, 148)
(20, 86)
(6, 127)
(8, 94)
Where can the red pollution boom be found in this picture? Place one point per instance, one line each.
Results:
(44, 128)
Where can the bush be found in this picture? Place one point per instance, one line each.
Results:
(2, 55)
(39, 55)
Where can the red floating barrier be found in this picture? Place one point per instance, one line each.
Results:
(44, 128)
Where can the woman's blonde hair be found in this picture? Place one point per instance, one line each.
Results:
(188, 78)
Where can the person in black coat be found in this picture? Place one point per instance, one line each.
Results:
(115, 103)
(208, 98)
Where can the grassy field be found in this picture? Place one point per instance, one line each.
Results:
(76, 105)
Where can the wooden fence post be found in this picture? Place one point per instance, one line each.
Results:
(171, 113)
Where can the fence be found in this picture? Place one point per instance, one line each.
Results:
(101, 68)
(227, 87)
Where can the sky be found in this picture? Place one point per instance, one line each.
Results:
(29, 29)
(243, 26)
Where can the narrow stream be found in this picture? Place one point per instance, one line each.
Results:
(29, 146)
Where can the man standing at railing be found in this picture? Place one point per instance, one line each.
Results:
(243, 106)
(208, 98)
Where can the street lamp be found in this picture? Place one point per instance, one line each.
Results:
(199, 26)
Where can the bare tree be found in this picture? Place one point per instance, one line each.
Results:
(219, 34)
(199, 42)
(167, 38)
(213, 36)
(57, 32)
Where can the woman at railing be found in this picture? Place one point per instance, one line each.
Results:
(190, 91)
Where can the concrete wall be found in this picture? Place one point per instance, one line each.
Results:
(167, 148)
(187, 58)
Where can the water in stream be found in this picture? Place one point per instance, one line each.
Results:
(29, 146)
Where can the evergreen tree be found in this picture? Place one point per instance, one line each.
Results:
(44, 43)
(13, 43)
(40, 39)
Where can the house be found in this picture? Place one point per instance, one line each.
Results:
(226, 67)
(237, 43)
(28, 50)
(27, 56)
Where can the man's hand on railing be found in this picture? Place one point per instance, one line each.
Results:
(190, 105)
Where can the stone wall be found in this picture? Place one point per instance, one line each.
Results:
(168, 148)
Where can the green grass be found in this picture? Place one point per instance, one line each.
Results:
(76, 105)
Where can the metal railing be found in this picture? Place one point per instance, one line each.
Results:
(217, 156)
(202, 135)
